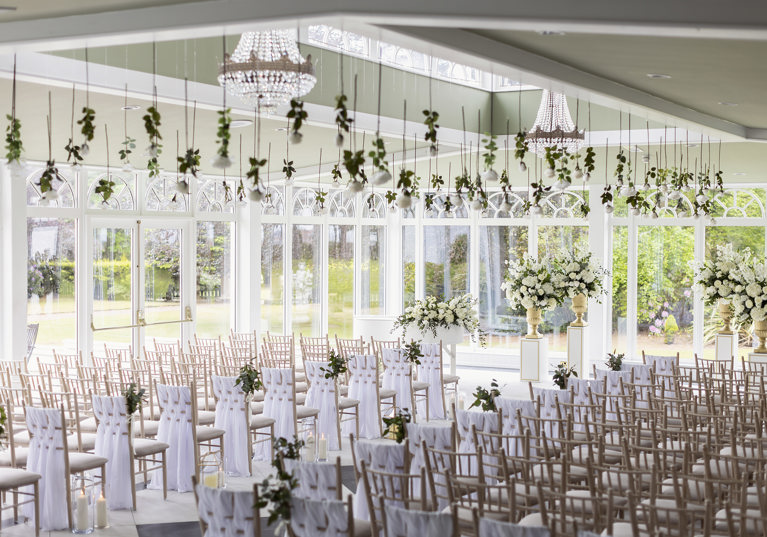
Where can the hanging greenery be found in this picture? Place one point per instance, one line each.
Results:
(129, 144)
(430, 120)
(589, 163)
(13, 144)
(152, 121)
(521, 149)
(320, 197)
(190, 162)
(288, 169)
(254, 173)
(298, 115)
(222, 160)
(489, 157)
(88, 129)
(343, 121)
(50, 173)
(378, 157)
(353, 162)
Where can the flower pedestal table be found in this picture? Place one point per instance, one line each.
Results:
(759, 356)
(577, 338)
(726, 343)
(534, 359)
(450, 337)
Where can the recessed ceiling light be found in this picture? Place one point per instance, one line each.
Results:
(550, 32)
(692, 145)
(633, 148)
(658, 76)
(739, 174)
(236, 123)
(727, 103)
(130, 107)
(281, 129)
(7, 8)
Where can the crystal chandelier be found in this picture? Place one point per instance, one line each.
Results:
(554, 126)
(267, 69)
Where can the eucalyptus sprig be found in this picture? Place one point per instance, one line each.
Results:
(437, 182)
(396, 426)
(589, 163)
(134, 399)
(336, 365)
(320, 197)
(378, 154)
(105, 187)
(353, 162)
(491, 147)
(190, 162)
(623, 168)
(288, 169)
(224, 135)
(73, 152)
(615, 360)
(3, 420)
(50, 173)
(343, 121)
(249, 379)
(298, 115)
(129, 144)
(430, 120)
(407, 181)
(413, 352)
(390, 196)
(254, 173)
(521, 148)
(88, 128)
(152, 120)
(485, 398)
(13, 144)
(335, 173)
(562, 373)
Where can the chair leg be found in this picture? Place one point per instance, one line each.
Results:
(164, 477)
(15, 494)
(36, 490)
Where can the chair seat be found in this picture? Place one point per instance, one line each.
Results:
(80, 462)
(362, 528)
(11, 478)
(345, 403)
(206, 417)
(386, 394)
(88, 441)
(143, 447)
(259, 422)
(21, 457)
(754, 523)
(88, 425)
(150, 428)
(450, 379)
(420, 385)
(204, 434)
(303, 412)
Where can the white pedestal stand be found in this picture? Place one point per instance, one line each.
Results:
(534, 360)
(757, 358)
(726, 346)
(450, 337)
(577, 343)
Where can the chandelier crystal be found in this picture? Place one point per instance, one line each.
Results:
(267, 69)
(554, 125)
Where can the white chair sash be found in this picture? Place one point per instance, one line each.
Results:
(175, 429)
(113, 443)
(398, 376)
(435, 435)
(430, 371)
(406, 523)
(279, 404)
(316, 480)
(550, 399)
(322, 395)
(363, 387)
(509, 423)
(46, 457)
(308, 516)
(496, 528)
(482, 421)
(663, 365)
(378, 455)
(232, 417)
(227, 513)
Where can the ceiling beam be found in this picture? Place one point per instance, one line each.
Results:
(531, 68)
(709, 19)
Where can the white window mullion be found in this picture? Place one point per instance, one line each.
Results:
(698, 314)
(631, 292)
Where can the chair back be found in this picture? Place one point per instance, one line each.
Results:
(322, 394)
(48, 457)
(316, 480)
(351, 347)
(226, 512)
(398, 376)
(31, 338)
(309, 517)
(364, 387)
(232, 417)
(280, 400)
(401, 522)
(176, 428)
(487, 527)
(314, 348)
(430, 370)
(382, 456)
(113, 443)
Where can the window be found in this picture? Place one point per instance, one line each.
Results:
(123, 196)
(214, 278)
(163, 195)
(272, 278)
(664, 290)
(51, 245)
(408, 264)
(497, 245)
(306, 272)
(340, 280)
(63, 186)
(372, 271)
(446, 260)
(619, 294)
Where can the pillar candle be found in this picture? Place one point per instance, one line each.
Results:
(323, 448)
(82, 519)
(101, 512)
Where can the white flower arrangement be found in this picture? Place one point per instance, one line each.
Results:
(579, 274)
(719, 278)
(749, 296)
(431, 313)
(533, 284)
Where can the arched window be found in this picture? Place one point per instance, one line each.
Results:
(516, 199)
(163, 195)
(374, 206)
(567, 204)
(341, 204)
(63, 185)
(123, 196)
(739, 204)
(216, 195)
(304, 203)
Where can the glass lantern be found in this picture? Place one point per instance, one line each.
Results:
(83, 504)
(212, 471)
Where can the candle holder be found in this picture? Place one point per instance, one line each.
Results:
(309, 450)
(212, 471)
(83, 503)
(322, 449)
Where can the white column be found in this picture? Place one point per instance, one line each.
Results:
(13, 216)
(599, 314)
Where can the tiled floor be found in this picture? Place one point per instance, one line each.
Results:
(177, 516)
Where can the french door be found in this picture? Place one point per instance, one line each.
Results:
(137, 279)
